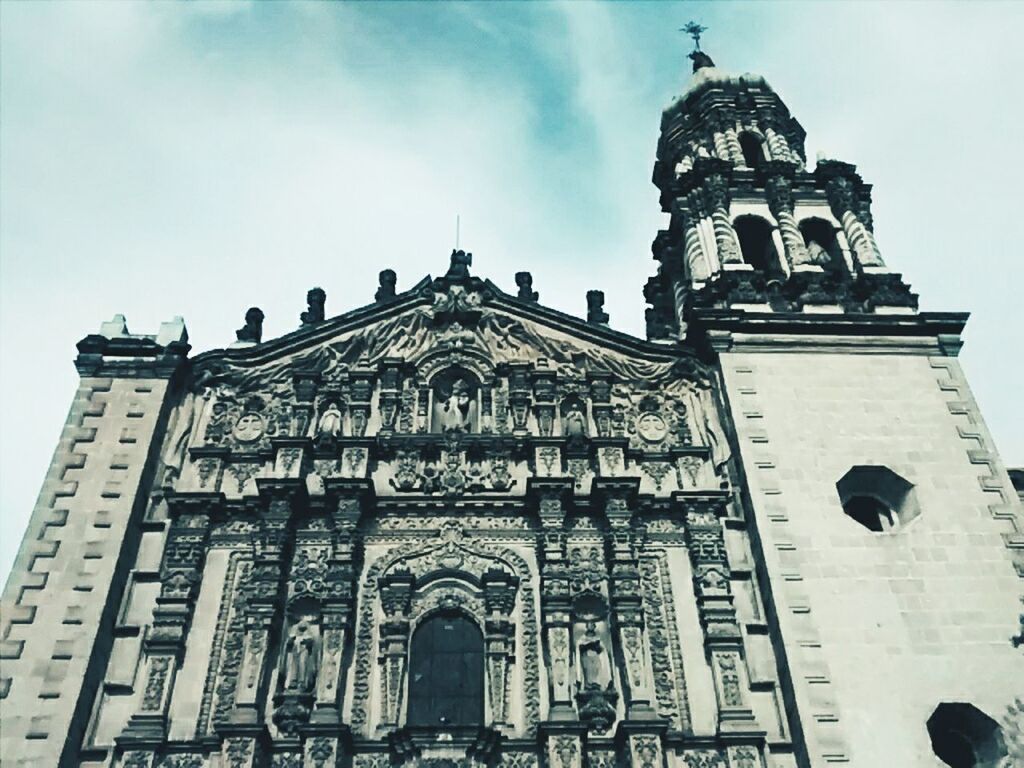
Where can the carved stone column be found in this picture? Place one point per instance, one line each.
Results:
(519, 396)
(778, 147)
(727, 127)
(716, 199)
(695, 260)
(361, 389)
(390, 393)
(339, 603)
(500, 597)
(627, 601)
(277, 500)
(556, 612)
(779, 188)
(723, 641)
(245, 733)
(842, 199)
(164, 643)
(395, 596)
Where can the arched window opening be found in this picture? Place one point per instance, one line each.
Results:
(446, 673)
(877, 498)
(822, 245)
(753, 154)
(963, 736)
(755, 236)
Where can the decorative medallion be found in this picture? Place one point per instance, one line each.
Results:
(248, 428)
(652, 428)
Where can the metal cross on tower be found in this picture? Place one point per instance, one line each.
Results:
(694, 30)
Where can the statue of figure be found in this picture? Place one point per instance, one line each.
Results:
(387, 279)
(817, 255)
(575, 422)
(329, 427)
(301, 658)
(592, 659)
(456, 408)
(460, 264)
(253, 328)
(595, 308)
(315, 299)
(525, 282)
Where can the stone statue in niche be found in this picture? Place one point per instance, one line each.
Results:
(300, 660)
(595, 696)
(455, 411)
(593, 662)
(328, 429)
(575, 421)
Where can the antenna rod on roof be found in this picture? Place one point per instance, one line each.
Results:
(456, 231)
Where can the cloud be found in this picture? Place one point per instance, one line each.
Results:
(198, 159)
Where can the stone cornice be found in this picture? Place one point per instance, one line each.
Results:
(925, 333)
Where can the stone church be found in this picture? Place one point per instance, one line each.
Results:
(454, 528)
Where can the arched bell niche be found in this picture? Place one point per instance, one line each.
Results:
(455, 401)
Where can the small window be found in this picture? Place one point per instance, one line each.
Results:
(755, 236)
(753, 153)
(965, 737)
(877, 498)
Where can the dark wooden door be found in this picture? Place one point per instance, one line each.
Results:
(446, 673)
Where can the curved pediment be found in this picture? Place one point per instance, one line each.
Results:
(443, 321)
(450, 389)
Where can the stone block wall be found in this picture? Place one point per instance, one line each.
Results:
(66, 585)
(880, 628)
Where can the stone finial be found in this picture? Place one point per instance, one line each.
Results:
(525, 282)
(315, 298)
(387, 280)
(460, 264)
(253, 329)
(595, 308)
(115, 328)
(700, 60)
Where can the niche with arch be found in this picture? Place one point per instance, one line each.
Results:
(963, 736)
(877, 498)
(821, 242)
(756, 244)
(456, 401)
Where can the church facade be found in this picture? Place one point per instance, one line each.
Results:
(457, 528)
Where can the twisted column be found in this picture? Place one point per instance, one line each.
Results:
(842, 199)
(780, 202)
(716, 199)
(695, 260)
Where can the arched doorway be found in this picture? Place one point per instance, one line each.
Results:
(446, 673)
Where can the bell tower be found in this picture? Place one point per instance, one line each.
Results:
(867, 477)
(751, 226)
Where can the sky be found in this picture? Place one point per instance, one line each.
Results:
(196, 159)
